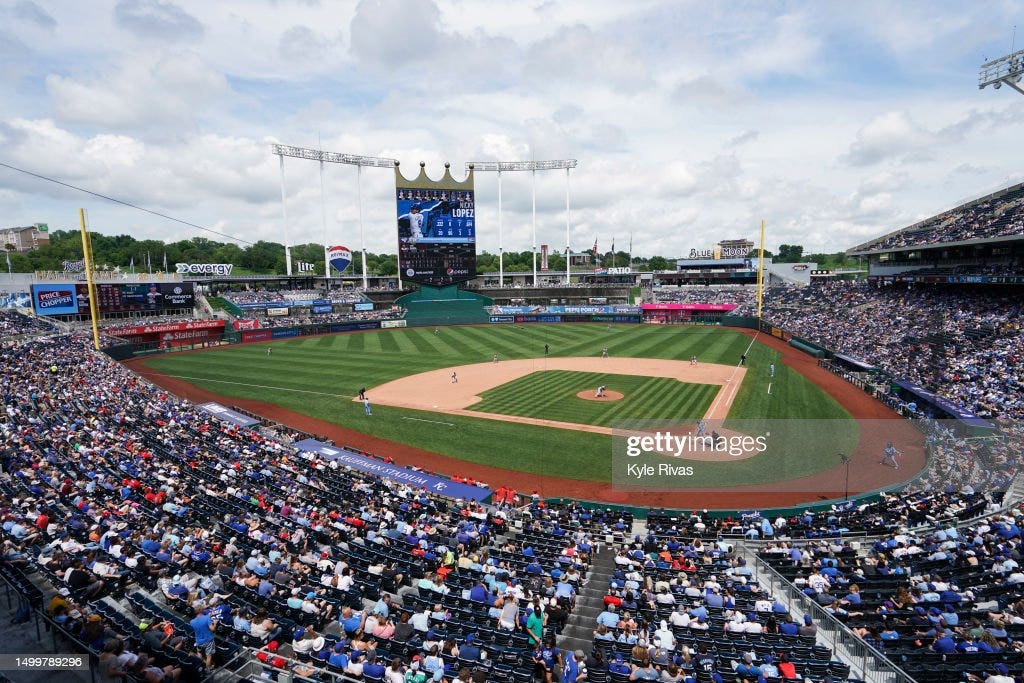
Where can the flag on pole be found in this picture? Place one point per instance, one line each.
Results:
(8, 255)
(595, 246)
(165, 261)
(131, 265)
(613, 245)
(149, 264)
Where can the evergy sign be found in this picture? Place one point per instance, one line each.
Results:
(204, 268)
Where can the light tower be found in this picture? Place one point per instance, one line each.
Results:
(1005, 70)
(356, 160)
(532, 167)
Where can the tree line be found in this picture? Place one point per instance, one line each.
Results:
(125, 252)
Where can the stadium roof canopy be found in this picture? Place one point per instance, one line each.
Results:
(1006, 205)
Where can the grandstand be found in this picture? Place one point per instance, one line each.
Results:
(124, 506)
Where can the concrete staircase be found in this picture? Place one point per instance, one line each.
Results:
(578, 633)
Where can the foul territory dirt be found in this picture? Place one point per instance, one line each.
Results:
(865, 472)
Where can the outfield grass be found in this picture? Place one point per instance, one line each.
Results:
(318, 376)
(551, 395)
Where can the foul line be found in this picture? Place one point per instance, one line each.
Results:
(436, 422)
(731, 387)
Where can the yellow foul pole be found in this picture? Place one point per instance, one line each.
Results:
(90, 285)
(760, 272)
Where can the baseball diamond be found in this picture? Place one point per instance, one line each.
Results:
(407, 372)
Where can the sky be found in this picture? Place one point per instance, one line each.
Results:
(835, 122)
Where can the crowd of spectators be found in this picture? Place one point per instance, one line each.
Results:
(287, 296)
(113, 489)
(995, 217)
(112, 325)
(964, 344)
(942, 595)
(13, 323)
(699, 294)
(390, 313)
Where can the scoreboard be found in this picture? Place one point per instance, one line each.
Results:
(436, 234)
(73, 298)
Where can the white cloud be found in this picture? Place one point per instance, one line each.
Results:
(690, 121)
(890, 135)
(157, 20)
(145, 92)
(30, 12)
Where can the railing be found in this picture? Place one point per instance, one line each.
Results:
(865, 661)
(40, 620)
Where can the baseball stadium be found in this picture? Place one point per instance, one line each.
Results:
(446, 464)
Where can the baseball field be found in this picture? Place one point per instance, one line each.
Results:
(531, 412)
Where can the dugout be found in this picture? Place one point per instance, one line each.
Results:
(808, 348)
(933, 405)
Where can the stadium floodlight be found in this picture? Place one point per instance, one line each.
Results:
(1006, 70)
(322, 156)
(532, 166)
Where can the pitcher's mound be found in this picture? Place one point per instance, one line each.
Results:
(609, 395)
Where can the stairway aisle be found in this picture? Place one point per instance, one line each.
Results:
(578, 633)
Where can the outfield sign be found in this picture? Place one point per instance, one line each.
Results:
(204, 268)
(431, 483)
(392, 324)
(55, 299)
(339, 257)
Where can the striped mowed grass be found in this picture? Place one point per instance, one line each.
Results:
(552, 395)
(318, 376)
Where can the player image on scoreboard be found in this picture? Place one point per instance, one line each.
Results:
(436, 235)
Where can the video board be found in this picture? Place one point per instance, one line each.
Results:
(72, 298)
(436, 229)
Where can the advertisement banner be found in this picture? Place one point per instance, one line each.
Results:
(364, 306)
(431, 483)
(391, 324)
(15, 300)
(150, 296)
(436, 229)
(256, 335)
(323, 309)
(549, 318)
(228, 415)
(339, 258)
(502, 319)
(351, 327)
(689, 307)
(246, 324)
(284, 333)
(55, 299)
(277, 311)
(204, 268)
(171, 327)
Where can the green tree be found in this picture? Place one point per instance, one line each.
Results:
(658, 263)
(790, 253)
